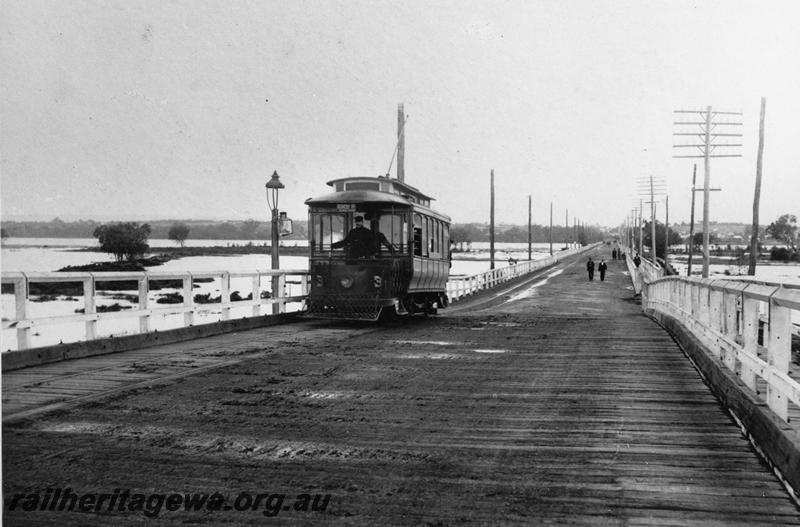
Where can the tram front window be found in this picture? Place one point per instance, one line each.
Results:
(327, 229)
(359, 234)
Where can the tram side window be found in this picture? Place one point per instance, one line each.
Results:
(419, 236)
(394, 227)
(432, 237)
(446, 241)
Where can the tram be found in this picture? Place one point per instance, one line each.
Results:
(377, 249)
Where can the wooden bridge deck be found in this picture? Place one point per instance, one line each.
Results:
(556, 402)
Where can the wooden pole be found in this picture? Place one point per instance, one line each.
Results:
(530, 230)
(691, 221)
(491, 224)
(551, 228)
(751, 270)
(666, 233)
(639, 229)
(706, 193)
(652, 224)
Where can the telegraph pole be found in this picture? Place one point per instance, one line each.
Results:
(530, 235)
(666, 233)
(639, 229)
(652, 224)
(566, 227)
(707, 122)
(551, 228)
(491, 224)
(751, 270)
(652, 188)
(691, 221)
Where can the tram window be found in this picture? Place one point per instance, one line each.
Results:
(431, 235)
(446, 241)
(425, 237)
(393, 226)
(418, 234)
(327, 228)
(440, 232)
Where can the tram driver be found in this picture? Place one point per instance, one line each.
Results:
(361, 242)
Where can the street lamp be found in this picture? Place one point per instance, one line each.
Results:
(272, 187)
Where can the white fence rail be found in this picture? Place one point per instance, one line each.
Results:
(146, 308)
(289, 295)
(644, 274)
(727, 316)
(461, 286)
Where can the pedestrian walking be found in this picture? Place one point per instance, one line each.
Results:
(602, 266)
(613, 254)
(590, 268)
(636, 260)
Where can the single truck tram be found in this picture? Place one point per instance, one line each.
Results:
(377, 250)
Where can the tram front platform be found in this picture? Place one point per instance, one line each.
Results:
(552, 401)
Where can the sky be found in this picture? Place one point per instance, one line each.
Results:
(144, 110)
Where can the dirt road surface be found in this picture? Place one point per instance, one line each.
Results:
(553, 402)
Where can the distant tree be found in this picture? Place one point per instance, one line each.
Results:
(249, 229)
(674, 237)
(466, 233)
(178, 232)
(785, 230)
(125, 241)
(697, 239)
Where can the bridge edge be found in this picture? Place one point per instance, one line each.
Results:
(779, 442)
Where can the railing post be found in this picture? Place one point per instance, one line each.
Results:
(89, 307)
(715, 319)
(144, 318)
(730, 326)
(188, 301)
(779, 354)
(21, 312)
(225, 294)
(256, 295)
(750, 316)
(281, 282)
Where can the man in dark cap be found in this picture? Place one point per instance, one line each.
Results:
(362, 242)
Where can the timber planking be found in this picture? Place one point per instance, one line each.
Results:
(556, 403)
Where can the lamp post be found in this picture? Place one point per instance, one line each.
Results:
(272, 187)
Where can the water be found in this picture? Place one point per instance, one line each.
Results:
(50, 254)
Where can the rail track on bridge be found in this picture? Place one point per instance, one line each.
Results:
(553, 400)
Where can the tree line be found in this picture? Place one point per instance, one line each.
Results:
(198, 229)
(128, 240)
(783, 230)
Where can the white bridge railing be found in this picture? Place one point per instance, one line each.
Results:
(644, 274)
(150, 314)
(145, 313)
(461, 286)
(727, 317)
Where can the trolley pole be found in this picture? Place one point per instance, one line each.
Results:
(401, 143)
